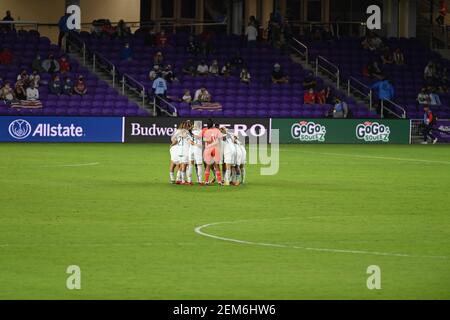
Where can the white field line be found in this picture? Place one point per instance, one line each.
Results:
(199, 231)
(372, 157)
(63, 165)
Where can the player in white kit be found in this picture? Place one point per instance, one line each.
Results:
(241, 160)
(196, 152)
(175, 154)
(229, 154)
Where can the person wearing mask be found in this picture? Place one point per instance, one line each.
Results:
(67, 88)
(80, 87)
(32, 93)
(54, 86)
(340, 109)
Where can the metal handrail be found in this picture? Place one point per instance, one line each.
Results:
(305, 54)
(107, 64)
(175, 110)
(138, 84)
(369, 92)
(383, 107)
(336, 74)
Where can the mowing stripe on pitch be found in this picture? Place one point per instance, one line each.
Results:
(199, 231)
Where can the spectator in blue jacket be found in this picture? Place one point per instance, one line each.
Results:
(55, 86)
(126, 53)
(384, 91)
(63, 28)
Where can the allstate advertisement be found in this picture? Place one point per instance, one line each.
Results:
(364, 131)
(61, 129)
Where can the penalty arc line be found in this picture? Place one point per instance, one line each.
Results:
(199, 231)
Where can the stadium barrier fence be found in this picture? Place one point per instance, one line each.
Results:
(159, 129)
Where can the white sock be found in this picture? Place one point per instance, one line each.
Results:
(243, 174)
(183, 176)
(199, 172)
(233, 175)
(172, 178)
(227, 175)
(189, 173)
(178, 175)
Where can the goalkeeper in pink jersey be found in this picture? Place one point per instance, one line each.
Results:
(212, 154)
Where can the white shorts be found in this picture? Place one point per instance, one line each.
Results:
(175, 154)
(196, 155)
(229, 155)
(241, 155)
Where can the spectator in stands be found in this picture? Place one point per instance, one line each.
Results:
(64, 65)
(122, 30)
(63, 29)
(206, 43)
(202, 95)
(309, 97)
(372, 42)
(50, 65)
(324, 96)
(6, 56)
(159, 86)
(192, 46)
(387, 57)
(126, 53)
(96, 28)
(80, 87)
(429, 72)
(245, 76)
(202, 69)
(32, 93)
(214, 68)
(384, 91)
(107, 28)
(278, 76)
(423, 97)
(158, 58)
(442, 13)
(35, 79)
(372, 71)
(226, 69)
(36, 65)
(161, 39)
(7, 18)
(150, 37)
(189, 68)
(23, 76)
(435, 100)
(154, 72)
(309, 82)
(19, 91)
(399, 58)
(168, 74)
(7, 93)
(187, 98)
(54, 86)
(340, 109)
(251, 32)
(237, 61)
(67, 88)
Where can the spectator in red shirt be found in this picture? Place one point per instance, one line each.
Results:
(64, 65)
(161, 39)
(309, 97)
(6, 56)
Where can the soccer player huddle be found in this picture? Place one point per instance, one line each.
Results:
(215, 148)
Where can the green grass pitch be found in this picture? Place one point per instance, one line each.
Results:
(109, 209)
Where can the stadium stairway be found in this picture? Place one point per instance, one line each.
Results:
(106, 76)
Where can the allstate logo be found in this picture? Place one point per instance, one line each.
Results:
(19, 129)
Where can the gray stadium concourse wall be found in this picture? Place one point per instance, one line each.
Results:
(159, 130)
